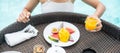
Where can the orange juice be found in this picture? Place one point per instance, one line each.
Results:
(91, 23)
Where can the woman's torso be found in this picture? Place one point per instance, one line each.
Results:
(57, 6)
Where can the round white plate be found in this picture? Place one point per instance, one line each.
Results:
(56, 49)
(11, 52)
(47, 32)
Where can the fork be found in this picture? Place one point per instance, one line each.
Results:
(61, 26)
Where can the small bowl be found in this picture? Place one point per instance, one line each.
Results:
(38, 48)
(88, 50)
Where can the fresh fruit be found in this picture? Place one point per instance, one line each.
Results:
(53, 38)
(54, 30)
(70, 30)
(64, 35)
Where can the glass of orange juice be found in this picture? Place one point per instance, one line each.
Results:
(91, 23)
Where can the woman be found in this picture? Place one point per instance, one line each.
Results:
(62, 6)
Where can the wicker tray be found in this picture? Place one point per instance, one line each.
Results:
(104, 41)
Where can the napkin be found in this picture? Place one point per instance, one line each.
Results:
(20, 36)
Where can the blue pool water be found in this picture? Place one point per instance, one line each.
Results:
(10, 9)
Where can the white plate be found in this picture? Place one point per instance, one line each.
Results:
(11, 52)
(48, 29)
(56, 49)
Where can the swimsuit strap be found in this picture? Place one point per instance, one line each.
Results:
(67, 1)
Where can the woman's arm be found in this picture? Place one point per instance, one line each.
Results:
(24, 15)
(31, 5)
(100, 8)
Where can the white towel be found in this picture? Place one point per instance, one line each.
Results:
(20, 36)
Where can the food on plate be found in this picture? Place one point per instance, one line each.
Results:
(54, 37)
(54, 30)
(64, 35)
(70, 30)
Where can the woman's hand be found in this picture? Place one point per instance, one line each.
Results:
(99, 24)
(24, 16)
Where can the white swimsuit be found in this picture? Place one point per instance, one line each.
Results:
(51, 6)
